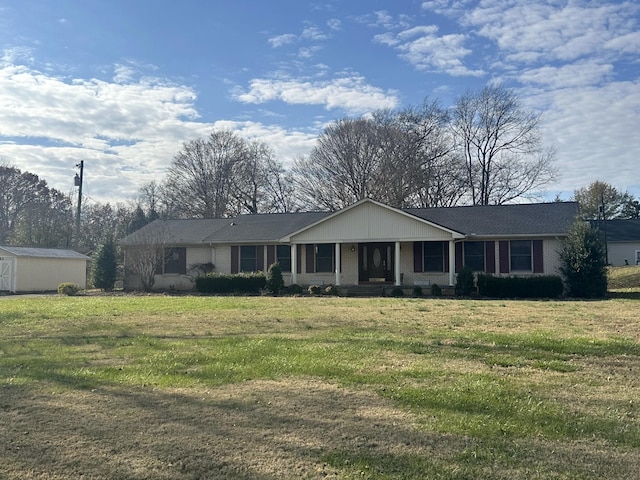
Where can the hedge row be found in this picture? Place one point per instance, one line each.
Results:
(547, 286)
(237, 283)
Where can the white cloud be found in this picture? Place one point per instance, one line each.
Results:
(567, 76)
(127, 133)
(349, 93)
(565, 33)
(313, 33)
(334, 24)
(595, 131)
(281, 40)
(423, 48)
(50, 124)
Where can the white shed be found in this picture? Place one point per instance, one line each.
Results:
(24, 269)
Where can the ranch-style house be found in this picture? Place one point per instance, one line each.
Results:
(365, 243)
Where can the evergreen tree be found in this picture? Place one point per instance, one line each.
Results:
(275, 282)
(104, 269)
(583, 262)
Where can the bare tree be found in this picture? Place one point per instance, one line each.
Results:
(198, 183)
(143, 254)
(220, 176)
(403, 159)
(501, 144)
(343, 167)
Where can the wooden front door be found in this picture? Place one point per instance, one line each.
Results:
(375, 262)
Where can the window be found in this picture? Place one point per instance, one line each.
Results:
(520, 254)
(474, 256)
(175, 260)
(324, 257)
(434, 256)
(248, 258)
(283, 257)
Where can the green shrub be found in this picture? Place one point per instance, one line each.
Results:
(295, 289)
(315, 290)
(396, 292)
(68, 288)
(274, 281)
(542, 286)
(436, 291)
(417, 291)
(235, 283)
(465, 282)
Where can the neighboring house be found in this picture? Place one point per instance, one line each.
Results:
(368, 242)
(25, 269)
(623, 240)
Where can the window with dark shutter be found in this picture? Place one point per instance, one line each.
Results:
(283, 257)
(324, 257)
(434, 258)
(248, 258)
(175, 260)
(474, 256)
(520, 255)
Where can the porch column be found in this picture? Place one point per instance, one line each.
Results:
(452, 263)
(294, 263)
(338, 245)
(398, 282)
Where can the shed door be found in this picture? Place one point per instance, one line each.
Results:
(5, 274)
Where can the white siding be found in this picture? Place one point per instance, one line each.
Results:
(551, 254)
(618, 252)
(371, 222)
(35, 274)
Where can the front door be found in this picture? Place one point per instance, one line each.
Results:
(375, 262)
(5, 275)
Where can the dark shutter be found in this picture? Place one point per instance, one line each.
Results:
(458, 256)
(490, 257)
(417, 257)
(260, 258)
(310, 266)
(504, 256)
(271, 255)
(538, 257)
(235, 258)
(298, 258)
(445, 247)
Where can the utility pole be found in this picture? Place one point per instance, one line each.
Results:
(78, 183)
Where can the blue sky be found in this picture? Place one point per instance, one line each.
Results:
(121, 84)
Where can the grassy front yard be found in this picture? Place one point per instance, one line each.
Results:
(190, 387)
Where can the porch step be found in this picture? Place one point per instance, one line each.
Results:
(370, 290)
(384, 290)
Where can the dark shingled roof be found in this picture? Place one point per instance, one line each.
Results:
(43, 252)
(620, 230)
(494, 220)
(497, 220)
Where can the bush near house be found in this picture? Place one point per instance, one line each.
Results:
(236, 283)
(465, 282)
(547, 286)
(68, 288)
(274, 281)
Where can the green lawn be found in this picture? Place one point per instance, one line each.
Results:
(192, 387)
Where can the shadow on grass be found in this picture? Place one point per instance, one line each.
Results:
(263, 430)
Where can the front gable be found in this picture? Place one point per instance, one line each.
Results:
(370, 221)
